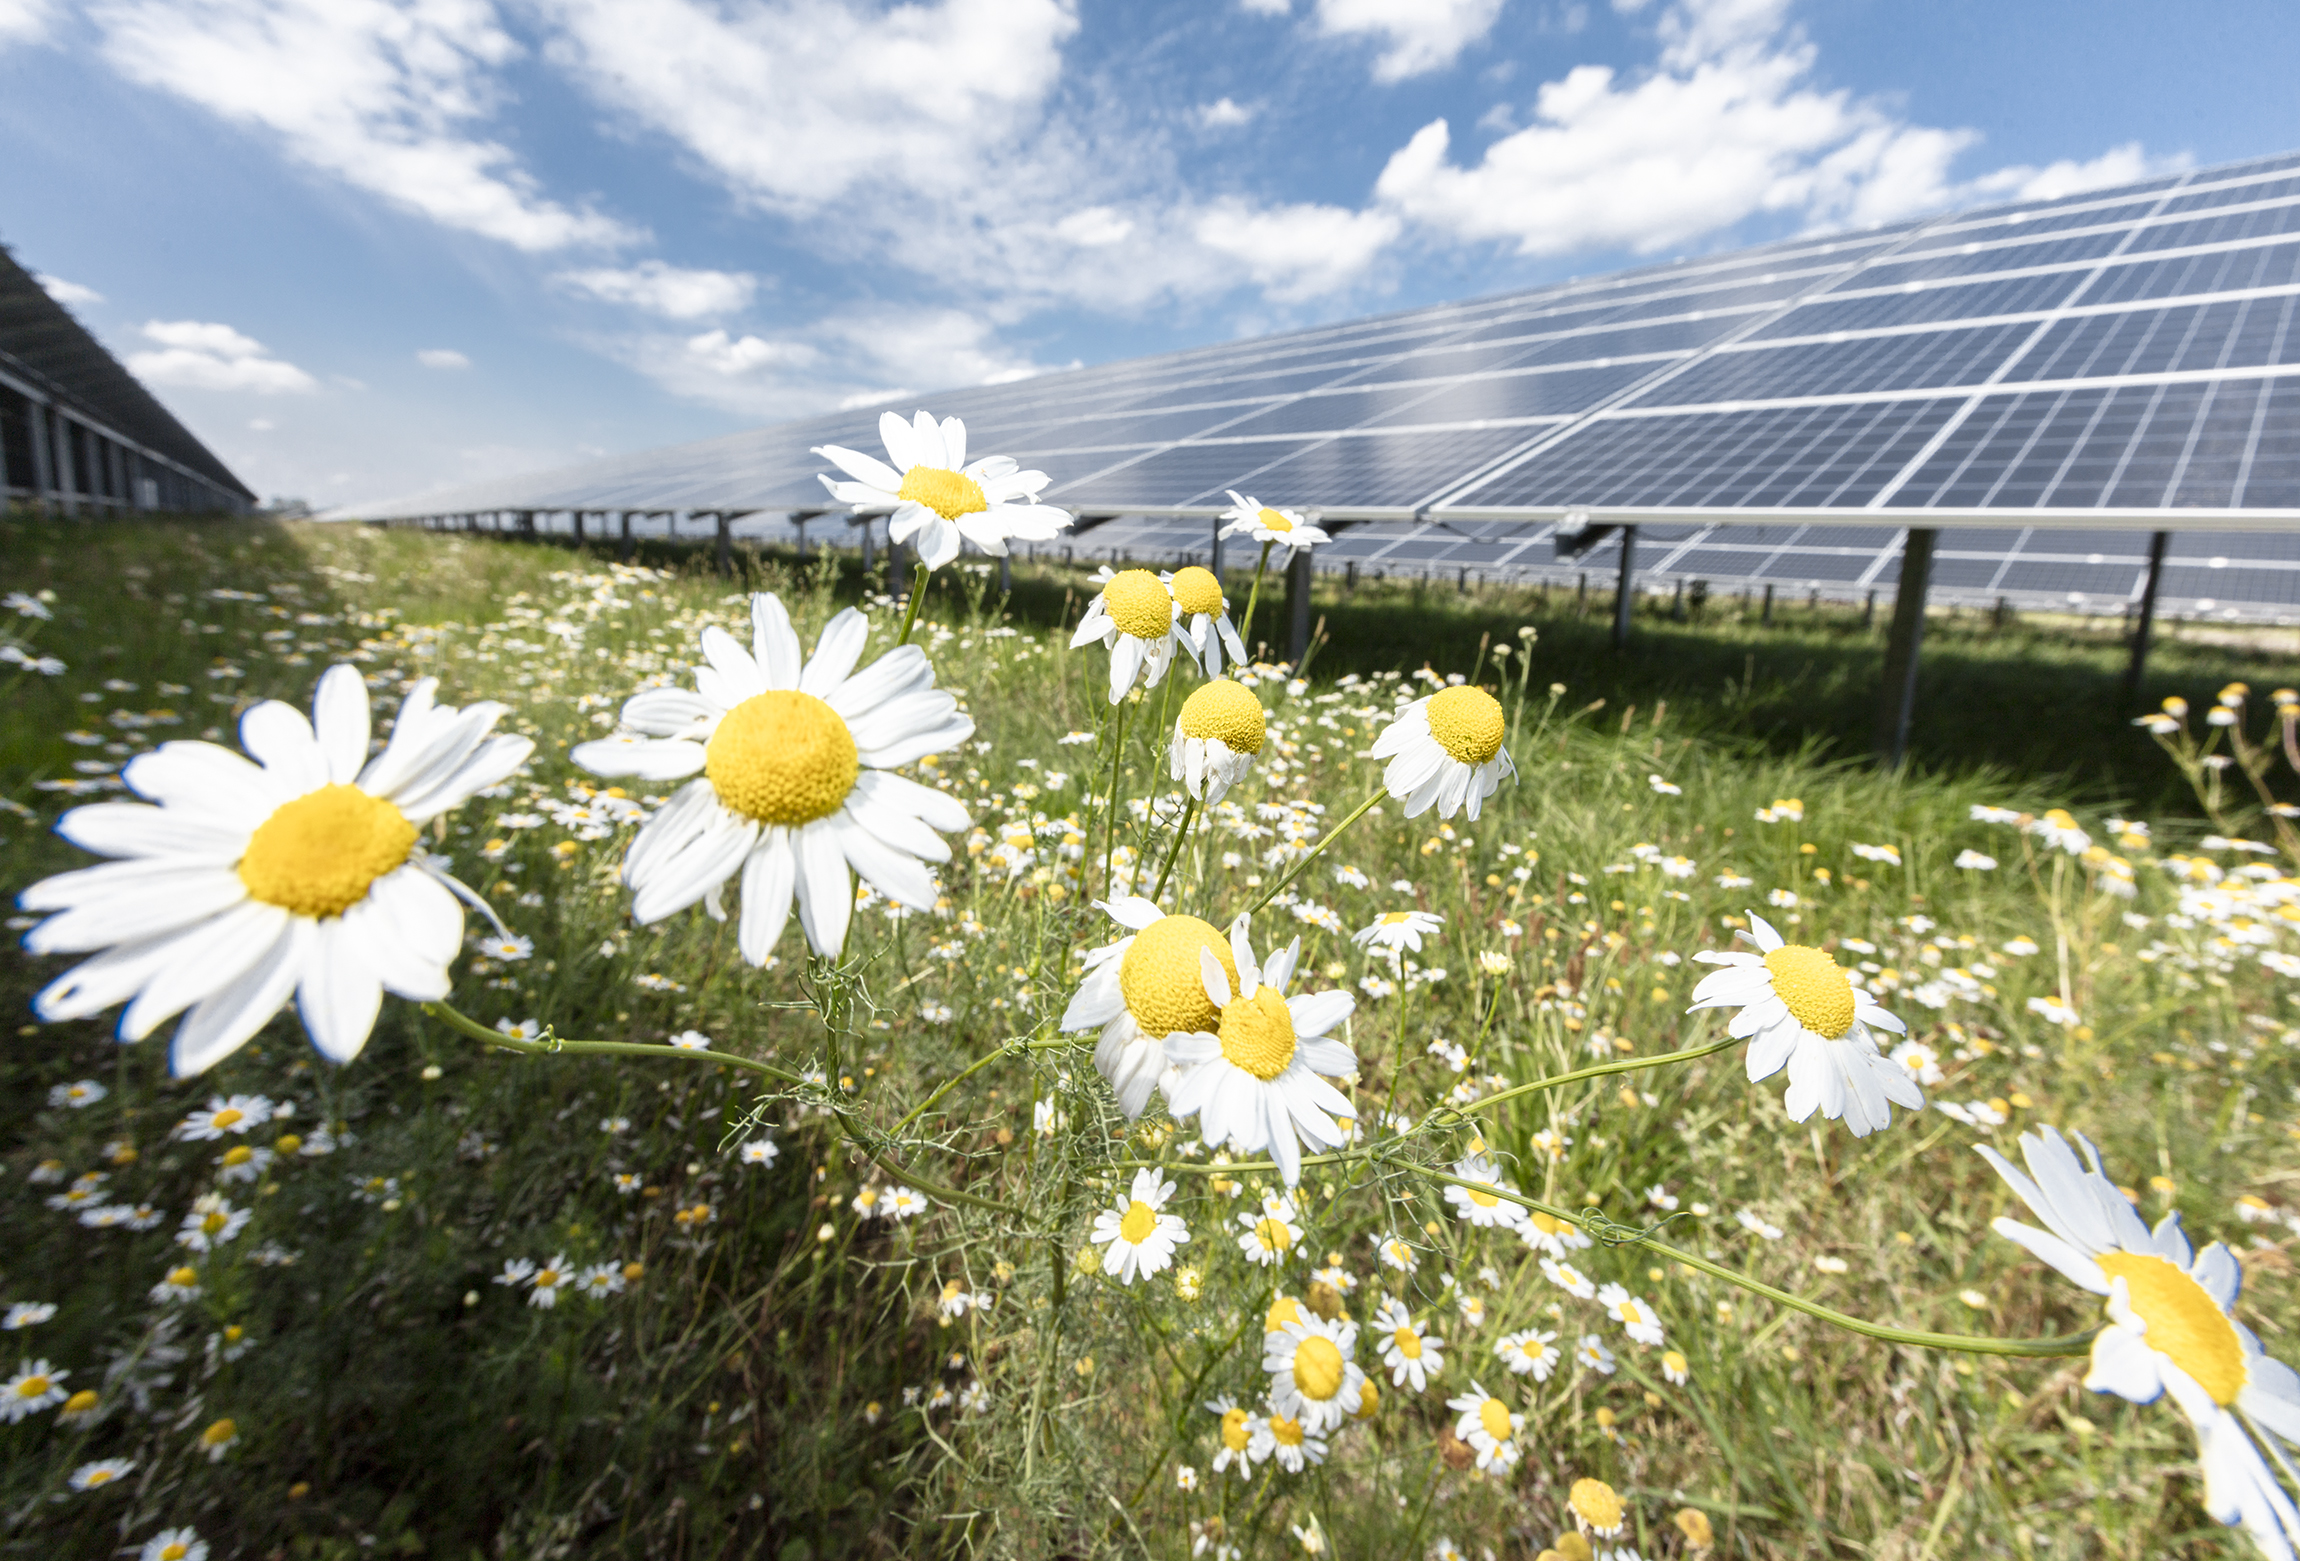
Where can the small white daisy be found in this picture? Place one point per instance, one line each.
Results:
(102, 1472)
(1216, 737)
(1594, 1356)
(600, 1281)
(1312, 1376)
(1635, 1317)
(760, 1151)
(546, 1281)
(1283, 527)
(691, 1040)
(1569, 1279)
(1394, 1253)
(1392, 931)
(1142, 988)
(1675, 1367)
(1268, 1237)
(1288, 1440)
(1134, 617)
(86, 1092)
(174, 1544)
(221, 1115)
(1547, 1233)
(1409, 1349)
(1481, 1207)
(1490, 1426)
(1140, 1239)
(211, 1223)
(27, 1314)
(36, 1386)
(935, 496)
(1202, 619)
(1236, 1434)
(1446, 751)
(1528, 1350)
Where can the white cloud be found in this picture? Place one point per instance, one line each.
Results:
(201, 355)
(735, 357)
(442, 358)
(2126, 164)
(1268, 7)
(25, 21)
(381, 95)
(67, 292)
(1418, 36)
(1094, 227)
(1223, 113)
(1298, 252)
(674, 292)
(262, 425)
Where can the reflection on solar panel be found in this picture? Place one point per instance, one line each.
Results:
(2043, 381)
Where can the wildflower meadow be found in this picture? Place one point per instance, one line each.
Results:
(522, 1052)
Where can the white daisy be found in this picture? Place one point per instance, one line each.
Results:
(1446, 752)
(1594, 1356)
(84, 1093)
(296, 876)
(1251, 518)
(1259, 1082)
(796, 780)
(1396, 1254)
(224, 1114)
(102, 1472)
(1270, 1236)
(2171, 1328)
(1547, 1233)
(600, 1281)
(1923, 1063)
(181, 1283)
(904, 1203)
(1141, 989)
(1675, 1367)
(1312, 1377)
(1237, 1436)
(34, 1387)
(1141, 1240)
(1216, 737)
(174, 1544)
(1806, 1016)
(1286, 1439)
(760, 1151)
(1409, 1349)
(1479, 1206)
(937, 497)
(1134, 617)
(211, 1223)
(1395, 930)
(1631, 1312)
(1568, 1278)
(691, 1040)
(1488, 1425)
(1202, 618)
(545, 1282)
(1528, 1350)
(27, 1314)
(1597, 1508)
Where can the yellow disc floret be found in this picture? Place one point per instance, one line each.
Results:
(2185, 1325)
(1286, 1432)
(1318, 1368)
(1409, 1343)
(1139, 604)
(1285, 1309)
(949, 494)
(1228, 711)
(1140, 1220)
(1467, 723)
(1597, 1504)
(317, 855)
(1258, 1034)
(1493, 1414)
(782, 757)
(1235, 1436)
(1198, 591)
(1813, 987)
(1270, 520)
(1159, 976)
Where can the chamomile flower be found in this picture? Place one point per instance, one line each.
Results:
(1258, 1081)
(1287, 1439)
(1134, 617)
(1312, 1377)
(211, 1223)
(1631, 1312)
(295, 877)
(1392, 931)
(1236, 1435)
(181, 1283)
(600, 1281)
(27, 1314)
(1445, 751)
(1409, 1349)
(174, 1544)
(936, 496)
(1569, 1279)
(1675, 1367)
(1490, 1426)
(1800, 1012)
(1252, 518)
(1597, 1508)
(1202, 619)
(1270, 1236)
(36, 1386)
(1395, 1253)
(1142, 988)
(903, 1203)
(221, 1115)
(84, 1093)
(1220, 730)
(2171, 1327)
(759, 1151)
(794, 782)
(1529, 1350)
(1594, 1356)
(102, 1472)
(1483, 1205)
(1547, 1233)
(1139, 1239)
(545, 1283)
(1923, 1063)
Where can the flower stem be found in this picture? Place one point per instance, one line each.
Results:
(1110, 825)
(1174, 853)
(1360, 811)
(918, 581)
(1246, 626)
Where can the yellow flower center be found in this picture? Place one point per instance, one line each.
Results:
(98, 1477)
(782, 757)
(1234, 1433)
(1493, 1414)
(1484, 1200)
(183, 1278)
(1671, 1360)
(1285, 1309)
(1467, 723)
(212, 1222)
(1228, 711)
(1271, 520)
(1275, 1237)
(1813, 988)
(1533, 1349)
(546, 1278)
(174, 1550)
(1396, 918)
(80, 1403)
(1596, 1504)
(2184, 1324)
(1369, 1400)
(1198, 591)
(316, 856)
(229, 1117)
(949, 494)
(1159, 976)
(1139, 604)
(289, 1143)
(1140, 1220)
(1547, 1224)
(1630, 1313)
(218, 1434)
(238, 1154)
(1409, 1343)
(1318, 1368)
(32, 1387)
(1258, 1034)
(1288, 1432)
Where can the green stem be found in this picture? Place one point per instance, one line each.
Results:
(1174, 852)
(1360, 811)
(1598, 1071)
(918, 580)
(1246, 627)
(1110, 825)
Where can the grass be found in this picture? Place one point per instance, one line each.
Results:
(745, 1394)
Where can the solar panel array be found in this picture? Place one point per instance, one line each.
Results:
(2057, 376)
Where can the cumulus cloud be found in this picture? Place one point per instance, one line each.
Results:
(202, 355)
(1417, 36)
(1297, 252)
(734, 357)
(386, 97)
(67, 292)
(442, 358)
(25, 21)
(1223, 114)
(674, 292)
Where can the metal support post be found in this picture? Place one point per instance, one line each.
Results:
(869, 546)
(1869, 613)
(1897, 698)
(43, 452)
(1297, 606)
(897, 568)
(1624, 589)
(1765, 614)
(627, 543)
(1006, 574)
(2137, 667)
(1214, 549)
(578, 514)
(726, 543)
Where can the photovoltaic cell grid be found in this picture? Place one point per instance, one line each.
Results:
(2124, 359)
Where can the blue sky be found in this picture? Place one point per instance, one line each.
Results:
(365, 247)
